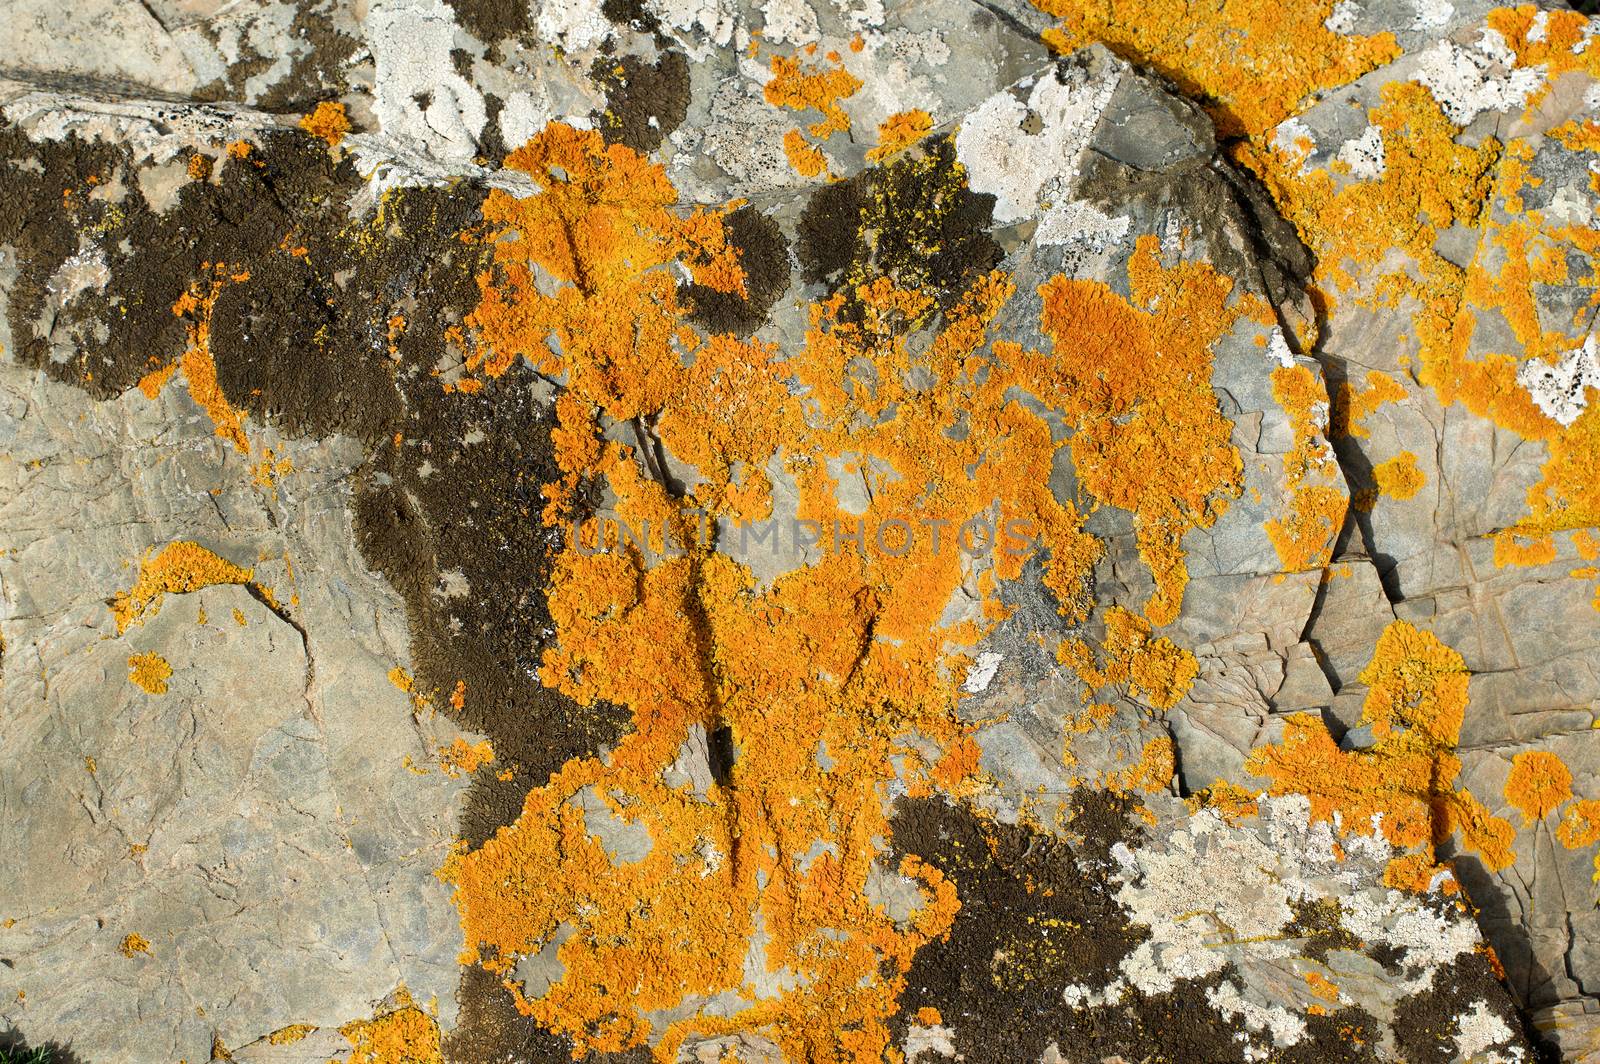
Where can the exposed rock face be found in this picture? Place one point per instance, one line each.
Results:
(800, 532)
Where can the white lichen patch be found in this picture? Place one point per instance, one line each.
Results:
(932, 1041)
(417, 94)
(1364, 155)
(1342, 19)
(1208, 886)
(1478, 1031)
(1278, 349)
(711, 21)
(576, 25)
(1215, 895)
(1483, 76)
(1561, 391)
(1026, 153)
(1432, 14)
(151, 131)
(789, 20)
(1078, 223)
(1283, 1026)
(981, 674)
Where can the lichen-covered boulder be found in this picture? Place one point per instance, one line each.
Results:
(799, 532)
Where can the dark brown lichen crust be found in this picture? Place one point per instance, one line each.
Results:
(337, 323)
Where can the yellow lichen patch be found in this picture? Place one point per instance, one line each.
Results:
(1416, 702)
(199, 369)
(1352, 405)
(1322, 986)
(266, 472)
(401, 679)
(1304, 536)
(1250, 61)
(407, 1035)
(152, 383)
(149, 671)
(601, 227)
(327, 122)
(1386, 231)
(1152, 772)
(180, 567)
(850, 653)
(1510, 548)
(462, 758)
(801, 86)
(1134, 382)
(1580, 825)
(1538, 783)
(898, 132)
(1399, 477)
(285, 1036)
(1229, 800)
(133, 945)
(1416, 686)
(898, 388)
(1155, 670)
(806, 158)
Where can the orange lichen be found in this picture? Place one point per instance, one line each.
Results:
(1156, 670)
(806, 158)
(852, 652)
(1322, 986)
(1250, 61)
(179, 568)
(289, 1035)
(1134, 382)
(406, 1035)
(1152, 772)
(1352, 405)
(149, 671)
(898, 132)
(1399, 477)
(462, 758)
(1229, 800)
(133, 945)
(152, 383)
(1510, 550)
(1416, 702)
(327, 122)
(801, 86)
(1376, 243)
(848, 652)
(1304, 536)
(271, 468)
(1538, 783)
(199, 368)
(1580, 825)
(602, 228)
